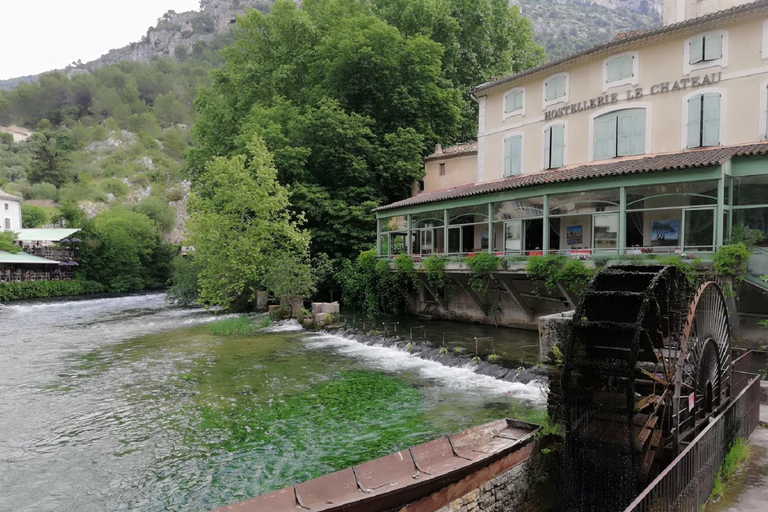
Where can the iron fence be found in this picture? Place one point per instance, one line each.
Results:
(685, 485)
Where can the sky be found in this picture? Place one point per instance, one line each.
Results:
(41, 35)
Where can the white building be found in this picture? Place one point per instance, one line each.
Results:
(10, 212)
(19, 134)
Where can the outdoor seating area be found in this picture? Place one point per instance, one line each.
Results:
(18, 274)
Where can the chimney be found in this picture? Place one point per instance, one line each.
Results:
(438, 149)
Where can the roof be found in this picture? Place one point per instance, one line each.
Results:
(617, 167)
(22, 258)
(465, 148)
(6, 195)
(628, 39)
(15, 129)
(45, 235)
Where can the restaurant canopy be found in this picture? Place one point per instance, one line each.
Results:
(22, 258)
(44, 234)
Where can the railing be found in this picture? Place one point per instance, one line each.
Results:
(17, 277)
(685, 485)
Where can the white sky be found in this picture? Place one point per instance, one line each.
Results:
(41, 35)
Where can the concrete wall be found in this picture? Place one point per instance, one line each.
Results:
(459, 170)
(741, 73)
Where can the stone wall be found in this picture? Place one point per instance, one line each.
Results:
(512, 491)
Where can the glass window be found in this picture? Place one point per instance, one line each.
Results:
(427, 219)
(585, 202)
(399, 223)
(752, 218)
(468, 215)
(700, 229)
(705, 47)
(606, 231)
(513, 155)
(513, 101)
(695, 193)
(619, 68)
(554, 146)
(750, 190)
(704, 120)
(554, 88)
(519, 209)
(620, 133)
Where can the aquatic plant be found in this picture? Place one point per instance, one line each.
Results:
(459, 350)
(443, 351)
(494, 357)
(409, 347)
(237, 326)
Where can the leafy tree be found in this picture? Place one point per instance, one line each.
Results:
(159, 211)
(6, 138)
(50, 163)
(184, 278)
(33, 216)
(240, 226)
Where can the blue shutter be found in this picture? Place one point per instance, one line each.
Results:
(613, 71)
(547, 148)
(518, 100)
(638, 132)
(555, 88)
(628, 66)
(696, 46)
(557, 147)
(631, 132)
(710, 132)
(713, 47)
(605, 137)
(513, 101)
(508, 156)
(515, 155)
(694, 122)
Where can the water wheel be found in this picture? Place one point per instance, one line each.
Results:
(646, 364)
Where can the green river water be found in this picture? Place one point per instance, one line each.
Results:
(131, 404)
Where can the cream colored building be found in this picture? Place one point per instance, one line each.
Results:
(653, 142)
(10, 212)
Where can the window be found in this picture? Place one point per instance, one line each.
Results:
(620, 133)
(705, 48)
(704, 120)
(513, 155)
(420, 185)
(555, 88)
(514, 102)
(7, 223)
(620, 69)
(554, 146)
(442, 169)
(7, 206)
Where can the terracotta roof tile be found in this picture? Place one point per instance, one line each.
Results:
(665, 162)
(465, 148)
(733, 12)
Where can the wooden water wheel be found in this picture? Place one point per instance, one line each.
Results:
(645, 367)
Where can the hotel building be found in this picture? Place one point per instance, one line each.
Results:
(655, 142)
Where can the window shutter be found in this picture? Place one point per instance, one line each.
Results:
(627, 66)
(518, 100)
(713, 47)
(555, 88)
(508, 103)
(515, 155)
(624, 129)
(765, 135)
(710, 135)
(694, 122)
(631, 132)
(696, 46)
(557, 146)
(548, 148)
(508, 156)
(614, 70)
(605, 137)
(638, 132)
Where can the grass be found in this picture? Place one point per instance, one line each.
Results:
(239, 326)
(736, 457)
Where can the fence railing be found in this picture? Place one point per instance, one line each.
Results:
(685, 485)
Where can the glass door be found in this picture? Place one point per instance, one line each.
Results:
(513, 237)
(454, 240)
(699, 229)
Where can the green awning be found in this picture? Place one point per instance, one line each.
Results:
(44, 235)
(22, 258)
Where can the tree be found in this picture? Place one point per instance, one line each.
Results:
(50, 163)
(33, 216)
(7, 239)
(240, 226)
(6, 138)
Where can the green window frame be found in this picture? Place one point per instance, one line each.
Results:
(619, 68)
(554, 146)
(554, 88)
(513, 155)
(704, 120)
(513, 101)
(705, 48)
(620, 133)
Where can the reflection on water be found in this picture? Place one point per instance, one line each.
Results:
(130, 404)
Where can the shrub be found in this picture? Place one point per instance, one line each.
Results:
(44, 191)
(174, 194)
(114, 186)
(404, 267)
(733, 260)
(43, 289)
(33, 216)
(480, 266)
(434, 267)
(554, 269)
(234, 326)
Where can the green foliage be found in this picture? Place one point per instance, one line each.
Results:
(114, 186)
(184, 275)
(368, 285)
(481, 265)
(159, 211)
(749, 237)
(33, 216)
(732, 260)
(242, 231)
(44, 191)
(736, 457)
(558, 356)
(6, 138)
(494, 357)
(572, 274)
(7, 239)
(50, 162)
(238, 326)
(404, 267)
(434, 267)
(26, 290)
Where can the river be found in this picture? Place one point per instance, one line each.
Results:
(130, 403)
